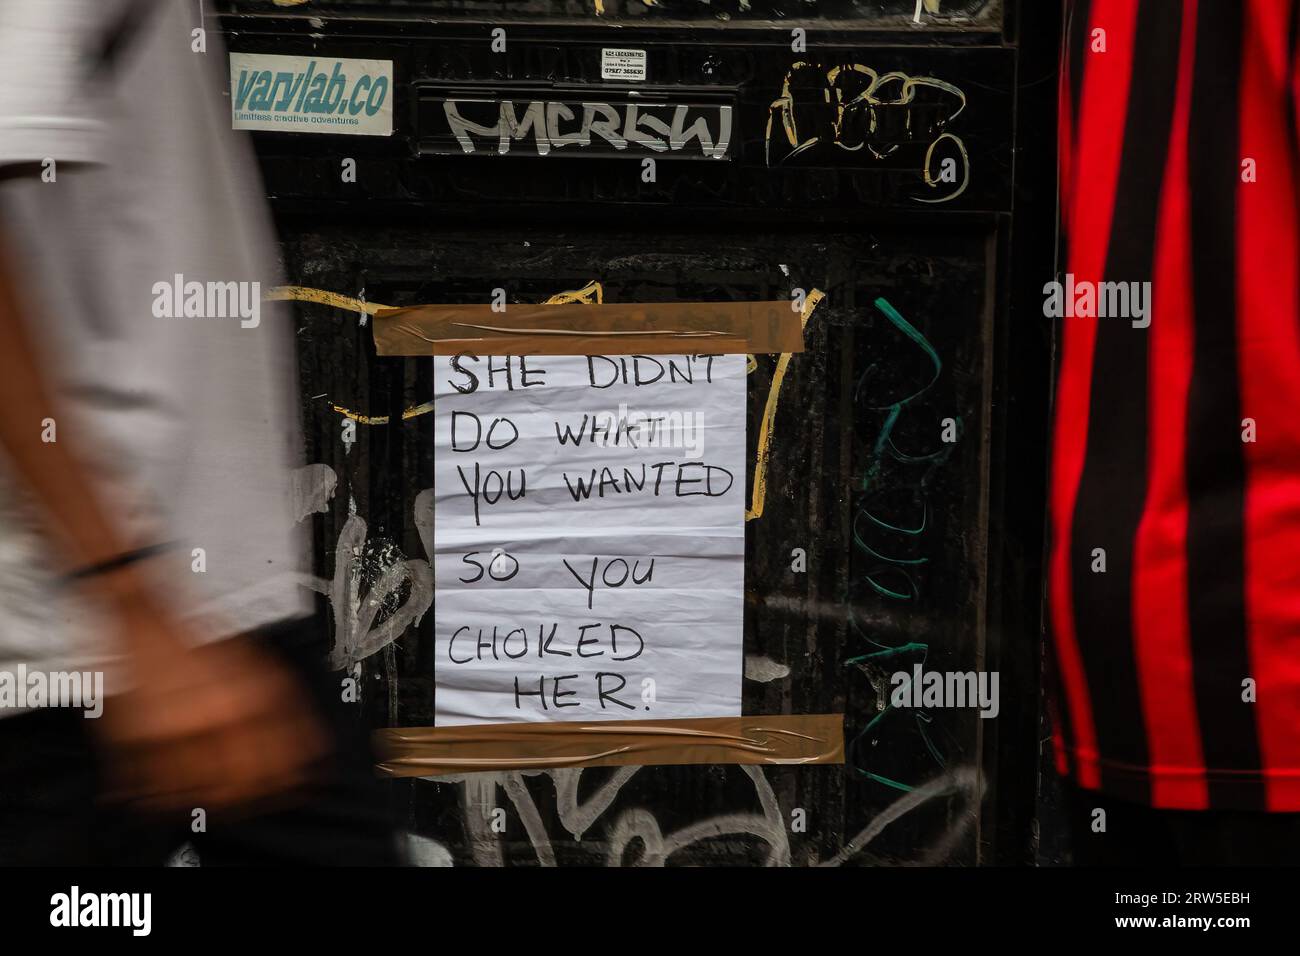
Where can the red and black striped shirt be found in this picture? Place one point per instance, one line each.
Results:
(1176, 452)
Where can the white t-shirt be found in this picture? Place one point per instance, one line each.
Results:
(187, 426)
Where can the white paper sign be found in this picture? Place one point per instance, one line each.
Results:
(589, 532)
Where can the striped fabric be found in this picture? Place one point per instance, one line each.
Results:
(1176, 450)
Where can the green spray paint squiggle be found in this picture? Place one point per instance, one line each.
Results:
(884, 448)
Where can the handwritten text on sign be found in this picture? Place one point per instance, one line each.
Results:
(589, 537)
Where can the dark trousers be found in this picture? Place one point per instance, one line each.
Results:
(51, 780)
(1137, 835)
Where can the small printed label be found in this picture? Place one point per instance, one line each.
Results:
(620, 64)
(311, 94)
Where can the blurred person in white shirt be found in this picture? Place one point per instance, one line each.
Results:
(152, 539)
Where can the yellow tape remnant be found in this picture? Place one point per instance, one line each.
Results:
(772, 740)
(298, 293)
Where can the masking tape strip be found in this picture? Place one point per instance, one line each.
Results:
(575, 328)
(778, 739)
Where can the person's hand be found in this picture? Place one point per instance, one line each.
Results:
(220, 726)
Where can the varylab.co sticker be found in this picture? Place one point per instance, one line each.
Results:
(311, 94)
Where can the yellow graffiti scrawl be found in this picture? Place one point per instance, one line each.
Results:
(851, 107)
(766, 429)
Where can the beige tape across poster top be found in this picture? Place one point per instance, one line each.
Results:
(645, 328)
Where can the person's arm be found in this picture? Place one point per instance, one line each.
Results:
(217, 726)
(51, 471)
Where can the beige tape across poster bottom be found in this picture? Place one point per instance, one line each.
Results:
(778, 739)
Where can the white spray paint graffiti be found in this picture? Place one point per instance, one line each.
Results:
(356, 636)
(478, 800)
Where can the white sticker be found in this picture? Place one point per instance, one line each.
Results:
(620, 64)
(311, 94)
